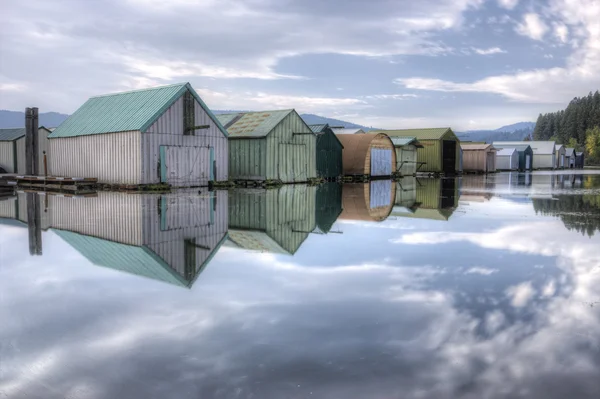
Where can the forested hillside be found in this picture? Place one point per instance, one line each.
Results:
(576, 126)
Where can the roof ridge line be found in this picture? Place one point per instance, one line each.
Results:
(139, 90)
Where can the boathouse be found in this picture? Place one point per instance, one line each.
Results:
(579, 160)
(570, 158)
(329, 153)
(328, 206)
(480, 158)
(406, 155)
(544, 152)
(159, 135)
(440, 152)
(561, 155)
(368, 154)
(525, 154)
(270, 145)
(12, 150)
(507, 159)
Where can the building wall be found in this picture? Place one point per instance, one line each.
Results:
(382, 141)
(113, 158)
(546, 161)
(474, 160)
(248, 159)
(507, 162)
(431, 153)
(42, 146)
(21, 158)
(7, 159)
(291, 158)
(406, 192)
(406, 160)
(168, 130)
(561, 158)
(329, 156)
(9, 208)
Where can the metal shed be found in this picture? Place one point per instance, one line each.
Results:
(507, 159)
(440, 152)
(406, 155)
(371, 201)
(479, 158)
(436, 199)
(368, 155)
(270, 145)
(165, 237)
(406, 196)
(328, 206)
(579, 160)
(274, 220)
(570, 158)
(12, 149)
(544, 152)
(525, 154)
(159, 135)
(329, 152)
(561, 154)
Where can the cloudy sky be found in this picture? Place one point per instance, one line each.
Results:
(386, 63)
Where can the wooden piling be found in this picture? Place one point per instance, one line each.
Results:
(35, 143)
(29, 154)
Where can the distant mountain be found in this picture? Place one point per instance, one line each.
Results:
(516, 132)
(17, 119)
(517, 126)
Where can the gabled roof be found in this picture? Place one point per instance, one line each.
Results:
(318, 128)
(14, 133)
(506, 152)
(570, 151)
(420, 134)
(343, 130)
(476, 147)
(402, 141)
(559, 147)
(252, 124)
(255, 240)
(518, 147)
(538, 147)
(127, 111)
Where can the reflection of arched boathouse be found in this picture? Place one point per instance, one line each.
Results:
(371, 201)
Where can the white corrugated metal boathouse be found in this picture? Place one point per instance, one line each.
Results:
(12, 149)
(507, 159)
(164, 135)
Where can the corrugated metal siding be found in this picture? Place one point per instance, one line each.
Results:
(301, 151)
(168, 131)
(474, 161)
(357, 200)
(508, 161)
(286, 214)
(248, 159)
(431, 153)
(111, 216)
(406, 192)
(113, 158)
(8, 208)
(328, 205)
(430, 193)
(329, 155)
(544, 161)
(406, 160)
(7, 160)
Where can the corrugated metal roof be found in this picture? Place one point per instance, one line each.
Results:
(253, 124)
(256, 241)
(570, 152)
(559, 147)
(506, 152)
(122, 257)
(518, 147)
(12, 133)
(475, 147)
(127, 111)
(318, 128)
(401, 141)
(538, 147)
(339, 130)
(420, 134)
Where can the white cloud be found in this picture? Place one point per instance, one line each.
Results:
(521, 294)
(488, 51)
(532, 26)
(482, 270)
(561, 31)
(390, 96)
(508, 4)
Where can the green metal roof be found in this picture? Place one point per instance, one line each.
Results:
(318, 128)
(419, 134)
(122, 257)
(12, 134)
(127, 111)
(253, 124)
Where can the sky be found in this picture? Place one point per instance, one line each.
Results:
(468, 64)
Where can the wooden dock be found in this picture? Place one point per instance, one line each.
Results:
(50, 183)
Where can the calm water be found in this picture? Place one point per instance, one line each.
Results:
(469, 288)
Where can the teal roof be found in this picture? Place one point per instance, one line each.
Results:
(401, 140)
(127, 111)
(318, 128)
(122, 257)
(12, 134)
(253, 124)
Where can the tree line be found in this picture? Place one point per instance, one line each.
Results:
(577, 126)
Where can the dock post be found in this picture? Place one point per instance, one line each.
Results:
(34, 223)
(28, 142)
(35, 145)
